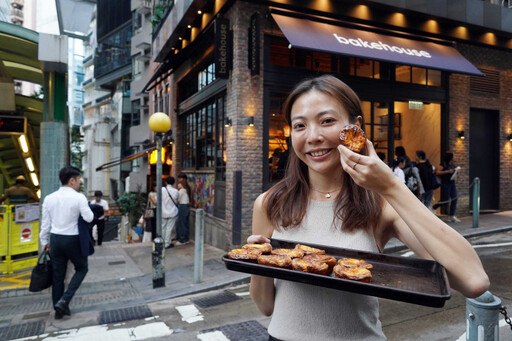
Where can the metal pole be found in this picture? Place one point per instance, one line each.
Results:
(482, 317)
(476, 202)
(198, 249)
(158, 255)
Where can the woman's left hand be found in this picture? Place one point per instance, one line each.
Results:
(367, 171)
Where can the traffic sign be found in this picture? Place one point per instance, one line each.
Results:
(13, 125)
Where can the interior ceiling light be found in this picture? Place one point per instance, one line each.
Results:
(23, 143)
(35, 181)
(30, 164)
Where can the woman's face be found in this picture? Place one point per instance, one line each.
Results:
(317, 120)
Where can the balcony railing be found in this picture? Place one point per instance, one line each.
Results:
(504, 3)
(18, 3)
(113, 52)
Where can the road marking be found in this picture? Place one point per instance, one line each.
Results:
(189, 313)
(213, 336)
(241, 294)
(408, 254)
(491, 245)
(502, 324)
(102, 333)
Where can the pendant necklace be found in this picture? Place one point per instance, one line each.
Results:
(327, 194)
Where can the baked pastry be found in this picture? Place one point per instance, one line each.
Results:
(279, 261)
(293, 253)
(311, 266)
(353, 137)
(308, 250)
(250, 255)
(354, 263)
(330, 261)
(356, 274)
(264, 248)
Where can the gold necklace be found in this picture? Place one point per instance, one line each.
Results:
(327, 194)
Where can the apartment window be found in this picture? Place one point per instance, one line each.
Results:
(136, 112)
(136, 68)
(78, 96)
(79, 78)
(203, 138)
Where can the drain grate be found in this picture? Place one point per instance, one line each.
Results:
(22, 330)
(124, 314)
(247, 331)
(212, 300)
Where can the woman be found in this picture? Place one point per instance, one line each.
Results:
(332, 196)
(448, 188)
(151, 222)
(184, 191)
(398, 168)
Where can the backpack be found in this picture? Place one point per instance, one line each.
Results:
(411, 181)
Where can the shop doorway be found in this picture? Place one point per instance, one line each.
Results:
(484, 156)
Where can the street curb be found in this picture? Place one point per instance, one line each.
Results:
(467, 235)
(215, 286)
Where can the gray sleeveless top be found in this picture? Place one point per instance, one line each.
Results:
(307, 312)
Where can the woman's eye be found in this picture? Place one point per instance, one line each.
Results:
(327, 120)
(298, 126)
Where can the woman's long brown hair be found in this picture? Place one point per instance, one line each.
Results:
(287, 201)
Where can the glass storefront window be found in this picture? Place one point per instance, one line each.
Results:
(364, 68)
(434, 78)
(203, 137)
(403, 73)
(278, 139)
(419, 75)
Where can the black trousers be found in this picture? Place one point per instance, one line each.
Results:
(63, 249)
(100, 223)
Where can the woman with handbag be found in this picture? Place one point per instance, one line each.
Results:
(183, 230)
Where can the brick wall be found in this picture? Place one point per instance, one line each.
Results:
(244, 100)
(462, 100)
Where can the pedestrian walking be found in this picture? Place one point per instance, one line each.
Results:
(60, 235)
(19, 193)
(99, 222)
(398, 168)
(169, 210)
(185, 193)
(426, 172)
(448, 175)
(334, 197)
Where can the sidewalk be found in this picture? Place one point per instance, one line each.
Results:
(120, 275)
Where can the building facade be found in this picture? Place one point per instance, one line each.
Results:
(222, 69)
(107, 98)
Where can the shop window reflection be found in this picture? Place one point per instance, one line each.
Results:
(279, 138)
(419, 75)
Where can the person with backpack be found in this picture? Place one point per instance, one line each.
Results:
(412, 175)
(426, 172)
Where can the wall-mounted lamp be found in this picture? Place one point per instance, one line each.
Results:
(251, 121)
(227, 122)
(509, 137)
(461, 134)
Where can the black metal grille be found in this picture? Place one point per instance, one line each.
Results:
(213, 300)
(22, 330)
(244, 331)
(124, 314)
(490, 83)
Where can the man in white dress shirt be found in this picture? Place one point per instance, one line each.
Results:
(59, 235)
(169, 210)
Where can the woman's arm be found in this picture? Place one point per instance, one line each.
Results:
(410, 221)
(262, 288)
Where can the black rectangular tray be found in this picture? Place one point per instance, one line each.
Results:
(410, 280)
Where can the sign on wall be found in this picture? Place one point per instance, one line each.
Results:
(254, 44)
(223, 48)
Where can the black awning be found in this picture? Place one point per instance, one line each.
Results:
(129, 158)
(320, 36)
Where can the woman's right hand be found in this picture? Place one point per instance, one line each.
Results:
(257, 239)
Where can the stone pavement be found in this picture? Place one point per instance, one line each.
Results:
(120, 276)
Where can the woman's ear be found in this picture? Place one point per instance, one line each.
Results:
(359, 121)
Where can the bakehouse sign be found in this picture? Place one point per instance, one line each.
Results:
(319, 36)
(223, 48)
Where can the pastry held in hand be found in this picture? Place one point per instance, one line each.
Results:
(250, 255)
(353, 137)
(264, 248)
